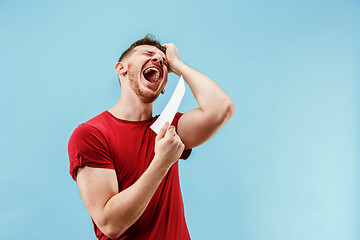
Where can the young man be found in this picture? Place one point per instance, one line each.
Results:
(126, 174)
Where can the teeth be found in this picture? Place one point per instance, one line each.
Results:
(157, 76)
(148, 70)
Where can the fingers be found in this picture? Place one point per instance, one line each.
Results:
(162, 131)
(178, 139)
(171, 133)
(168, 44)
(173, 137)
(172, 55)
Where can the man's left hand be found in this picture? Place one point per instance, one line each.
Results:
(172, 56)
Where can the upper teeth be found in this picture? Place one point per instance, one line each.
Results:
(157, 76)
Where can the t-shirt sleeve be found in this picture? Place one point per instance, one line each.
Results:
(186, 153)
(87, 146)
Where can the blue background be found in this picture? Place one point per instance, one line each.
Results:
(285, 167)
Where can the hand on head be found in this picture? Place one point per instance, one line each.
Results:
(172, 55)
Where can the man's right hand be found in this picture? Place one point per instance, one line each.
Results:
(113, 211)
(168, 146)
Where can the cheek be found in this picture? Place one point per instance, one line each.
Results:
(133, 71)
(165, 82)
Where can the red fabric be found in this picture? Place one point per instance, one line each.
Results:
(128, 147)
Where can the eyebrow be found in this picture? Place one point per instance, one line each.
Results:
(152, 52)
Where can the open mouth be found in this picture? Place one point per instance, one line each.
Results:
(152, 74)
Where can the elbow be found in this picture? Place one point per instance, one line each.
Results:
(228, 110)
(222, 113)
(112, 231)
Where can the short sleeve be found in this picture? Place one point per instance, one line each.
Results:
(186, 153)
(87, 146)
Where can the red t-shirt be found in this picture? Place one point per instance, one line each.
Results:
(128, 147)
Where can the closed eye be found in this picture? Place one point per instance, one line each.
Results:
(151, 53)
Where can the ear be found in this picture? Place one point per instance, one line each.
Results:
(120, 68)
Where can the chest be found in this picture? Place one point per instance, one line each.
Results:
(132, 150)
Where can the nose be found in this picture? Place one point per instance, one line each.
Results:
(157, 58)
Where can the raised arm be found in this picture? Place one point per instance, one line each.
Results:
(216, 108)
(113, 211)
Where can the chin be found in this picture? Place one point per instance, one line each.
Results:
(150, 98)
(150, 93)
(147, 95)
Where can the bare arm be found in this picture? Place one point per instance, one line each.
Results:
(113, 211)
(216, 108)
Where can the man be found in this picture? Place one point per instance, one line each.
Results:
(126, 174)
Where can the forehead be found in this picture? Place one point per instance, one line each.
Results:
(148, 48)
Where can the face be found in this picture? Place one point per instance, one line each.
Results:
(147, 70)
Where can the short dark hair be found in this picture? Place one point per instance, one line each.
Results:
(149, 39)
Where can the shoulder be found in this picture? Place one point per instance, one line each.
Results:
(99, 121)
(91, 130)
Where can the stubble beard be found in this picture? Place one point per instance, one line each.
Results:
(134, 76)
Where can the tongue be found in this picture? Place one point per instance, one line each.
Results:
(150, 76)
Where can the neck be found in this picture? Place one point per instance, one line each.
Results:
(131, 108)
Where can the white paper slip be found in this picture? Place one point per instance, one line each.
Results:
(168, 114)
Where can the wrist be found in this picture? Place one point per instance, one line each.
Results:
(177, 66)
(160, 165)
